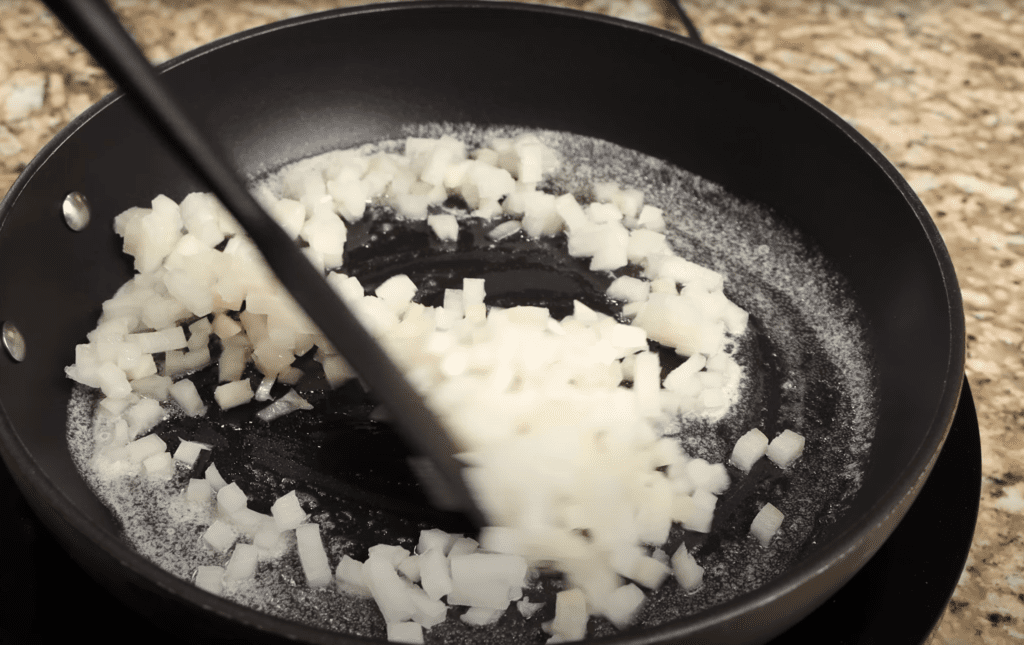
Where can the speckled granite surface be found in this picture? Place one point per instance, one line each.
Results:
(937, 86)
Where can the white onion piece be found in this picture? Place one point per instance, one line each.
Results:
(178, 362)
(145, 447)
(159, 341)
(199, 333)
(689, 574)
(312, 555)
(349, 577)
(350, 197)
(435, 574)
(144, 416)
(428, 612)
(242, 564)
(390, 552)
(623, 604)
(263, 389)
(160, 312)
(188, 451)
(186, 395)
(154, 387)
(647, 383)
(649, 572)
(410, 568)
(390, 593)
(505, 229)
(269, 539)
(603, 213)
(114, 407)
(149, 235)
(336, 370)
(445, 227)
(210, 579)
(224, 326)
(233, 394)
(287, 511)
(712, 478)
(135, 364)
(570, 615)
(785, 448)
(463, 546)
(540, 215)
(397, 291)
(501, 539)
(200, 213)
(480, 616)
(748, 449)
(199, 492)
(247, 521)
(232, 359)
(158, 466)
(220, 536)
(527, 608)
(605, 191)
(292, 375)
(651, 217)
(766, 523)
(654, 512)
(571, 212)
(288, 403)
(629, 289)
(404, 632)
(289, 214)
(702, 513)
(436, 538)
(213, 476)
(682, 508)
(485, 579)
(629, 201)
(230, 498)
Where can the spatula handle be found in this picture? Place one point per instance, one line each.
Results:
(98, 29)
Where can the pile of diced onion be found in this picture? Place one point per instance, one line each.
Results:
(563, 422)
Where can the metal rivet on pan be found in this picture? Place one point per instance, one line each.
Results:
(76, 211)
(14, 342)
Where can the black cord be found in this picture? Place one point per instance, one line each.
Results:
(691, 29)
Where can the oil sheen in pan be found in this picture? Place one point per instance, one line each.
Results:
(805, 363)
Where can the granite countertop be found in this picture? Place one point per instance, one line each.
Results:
(937, 86)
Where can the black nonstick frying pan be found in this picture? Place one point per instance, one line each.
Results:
(305, 86)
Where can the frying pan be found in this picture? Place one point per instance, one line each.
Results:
(305, 86)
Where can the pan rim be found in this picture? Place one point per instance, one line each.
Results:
(842, 546)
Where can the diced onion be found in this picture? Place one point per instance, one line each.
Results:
(211, 579)
(220, 536)
(748, 449)
(785, 448)
(312, 555)
(766, 523)
(287, 512)
(405, 632)
(288, 403)
(242, 564)
(587, 399)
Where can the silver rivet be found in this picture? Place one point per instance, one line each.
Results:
(76, 211)
(14, 342)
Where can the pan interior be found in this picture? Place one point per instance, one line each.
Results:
(805, 357)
